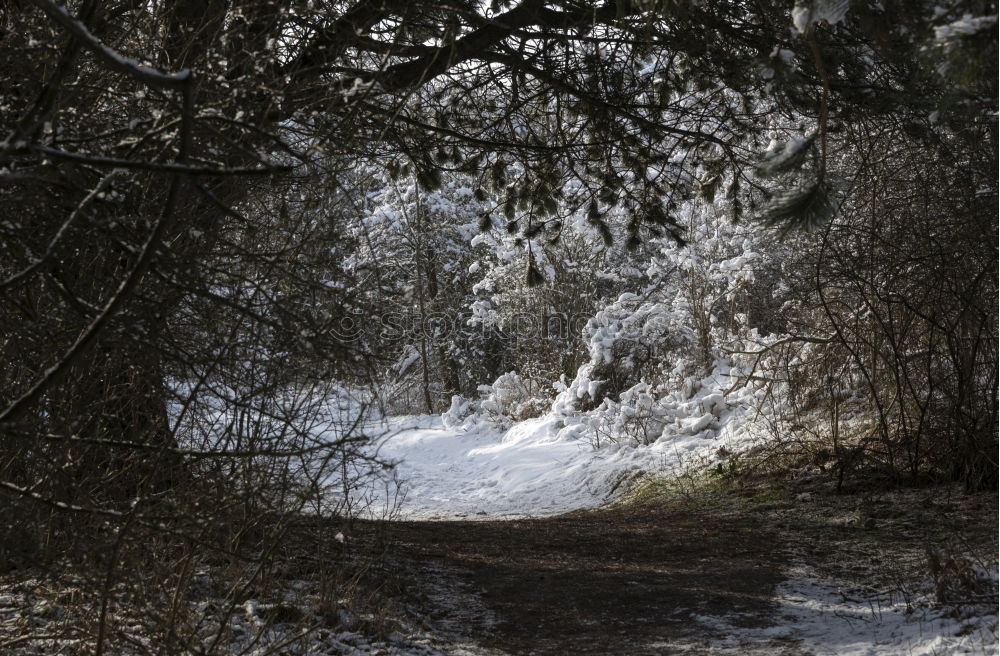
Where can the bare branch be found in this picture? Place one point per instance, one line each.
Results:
(113, 59)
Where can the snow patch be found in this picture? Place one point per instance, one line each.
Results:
(828, 620)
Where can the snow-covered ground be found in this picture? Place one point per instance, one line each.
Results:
(827, 620)
(461, 465)
(534, 469)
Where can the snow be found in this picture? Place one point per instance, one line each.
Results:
(828, 620)
(478, 461)
(813, 11)
(451, 473)
(454, 469)
(965, 26)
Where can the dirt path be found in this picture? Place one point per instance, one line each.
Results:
(603, 582)
(687, 574)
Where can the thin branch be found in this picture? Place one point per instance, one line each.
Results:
(324, 445)
(161, 167)
(782, 342)
(47, 255)
(131, 281)
(112, 58)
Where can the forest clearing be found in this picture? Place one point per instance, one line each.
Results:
(499, 327)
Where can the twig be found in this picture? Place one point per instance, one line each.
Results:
(161, 167)
(112, 58)
(131, 281)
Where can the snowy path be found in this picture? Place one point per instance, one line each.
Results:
(548, 465)
(646, 582)
(528, 471)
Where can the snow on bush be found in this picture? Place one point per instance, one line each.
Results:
(510, 399)
(662, 362)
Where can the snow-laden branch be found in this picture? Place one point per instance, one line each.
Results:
(59, 505)
(112, 58)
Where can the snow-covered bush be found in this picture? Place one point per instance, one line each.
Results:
(635, 418)
(461, 409)
(678, 325)
(513, 398)
(541, 282)
(510, 399)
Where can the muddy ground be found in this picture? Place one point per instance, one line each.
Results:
(597, 582)
(635, 578)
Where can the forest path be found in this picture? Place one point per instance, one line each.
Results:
(538, 467)
(614, 581)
